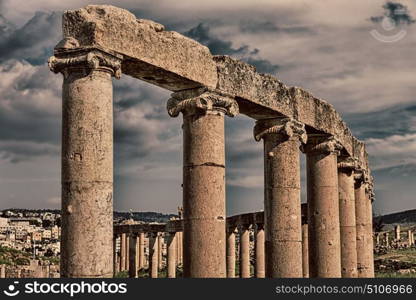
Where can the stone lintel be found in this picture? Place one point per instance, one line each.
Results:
(164, 58)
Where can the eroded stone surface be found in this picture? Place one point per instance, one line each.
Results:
(164, 58)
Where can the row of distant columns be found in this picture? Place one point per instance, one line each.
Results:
(397, 237)
(87, 180)
(339, 209)
(132, 257)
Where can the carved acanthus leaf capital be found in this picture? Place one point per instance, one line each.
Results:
(286, 127)
(201, 101)
(69, 56)
(322, 144)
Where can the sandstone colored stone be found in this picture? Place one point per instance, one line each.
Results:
(260, 263)
(282, 208)
(263, 96)
(363, 212)
(171, 259)
(244, 251)
(347, 218)
(323, 207)
(231, 252)
(165, 58)
(87, 173)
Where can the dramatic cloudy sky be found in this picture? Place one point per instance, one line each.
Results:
(358, 55)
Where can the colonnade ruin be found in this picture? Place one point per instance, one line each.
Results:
(101, 42)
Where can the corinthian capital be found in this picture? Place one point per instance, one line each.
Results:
(286, 128)
(322, 144)
(201, 100)
(67, 57)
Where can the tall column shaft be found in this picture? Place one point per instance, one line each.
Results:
(87, 160)
(160, 245)
(323, 206)
(231, 252)
(153, 255)
(171, 260)
(203, 180)
(115, 261)
(2, 271)
(127, 248)
(244, 251)
(260, 270)
(123, 252)
(363, 212)
(133, 256)
(141, 251)
(347, 218)
(305, 251)
(282, 208)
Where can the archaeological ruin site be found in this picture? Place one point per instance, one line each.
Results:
(329, 236)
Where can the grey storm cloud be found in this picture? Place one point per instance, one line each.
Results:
(251, 26)
(398, 13)
(32, 42)
(217, 46)
(395, 120)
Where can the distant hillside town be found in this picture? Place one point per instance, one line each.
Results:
(30, 239)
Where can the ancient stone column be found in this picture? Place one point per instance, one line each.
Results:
(115, 262)
(203, 179)
(244, 250)
(87, 158)
(323, 206)
(409, 238)
(133, 256)
(160, 245)
(386, 239)
(153, 255)
(397, 231)
(127, 248)
(171, 261)
(141, 251)
(259, 243)
(363, 212)
(305, 240)
(305, 251)
(348, 233)
(282, 214)
(378, 238)
(123, 252)
(181, 248)
(231, 252)
(3, 271)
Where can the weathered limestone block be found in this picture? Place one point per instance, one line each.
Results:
(264, 96)
(165, 58)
